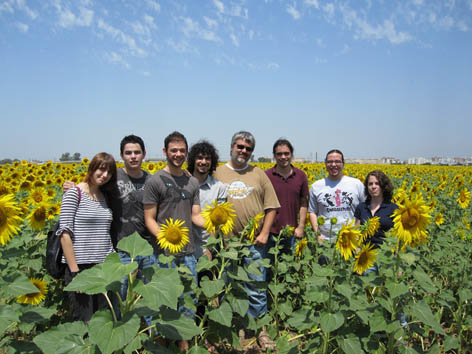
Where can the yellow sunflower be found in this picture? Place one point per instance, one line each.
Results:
(219, 217)
(410, 221)
(300, 248)
(439, 219)
(464, 198)
(38, 217)
(348, 239)
(370, 227)
(251, 228)
(365, 259)
(321, 220)
(9, 218)
(172, 235)
(35, 298)
(38, 196)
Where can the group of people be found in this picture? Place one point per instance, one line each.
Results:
(113, 203)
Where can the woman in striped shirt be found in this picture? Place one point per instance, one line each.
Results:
(85, 224)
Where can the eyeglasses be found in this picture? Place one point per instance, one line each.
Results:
(242, 147)
(333, 162)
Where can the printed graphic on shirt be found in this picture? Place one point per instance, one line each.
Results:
(174, 193)
(239, 190)
(340, 201)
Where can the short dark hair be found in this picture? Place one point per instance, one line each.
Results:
(385, 184)
(205, 148)
(131, 139)
(175, 136)
(98, 160)
(281, 142)
(335, 151)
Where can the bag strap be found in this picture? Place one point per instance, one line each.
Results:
(80, 195)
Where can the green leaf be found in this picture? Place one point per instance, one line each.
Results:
(19, 284)
(396, 289)
(65, 338)
(424, 281)
(37, 314)
(316, 295)
(197, 350)
(320, 271)
(239, 305)
(277, 289)
(386, 304)
(174, 325)
(377, 322)
(231, 253)
(422, 312)
(136, 343)
(331, 321)
(135, 245)
(350, 345)
(212, 287)
(284, 347)
(451, 342)
(239, 274)
(344, 290)
(205, 264)
(164, 288)
(254, 269)
(102, 277)
(110, 336)
(409, 258)
(465, 294)
(8, 318)
(222, 314)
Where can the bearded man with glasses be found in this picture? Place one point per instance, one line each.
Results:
(334, 197)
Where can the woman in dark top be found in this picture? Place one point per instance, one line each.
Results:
(379, 192)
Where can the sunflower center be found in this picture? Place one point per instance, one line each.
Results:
(219, 216)
(40, 214)
(37, 198)
(173, 236)
(410, 218)
(363, 258)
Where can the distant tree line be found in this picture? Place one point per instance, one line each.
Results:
(68, 157)
(5, 161)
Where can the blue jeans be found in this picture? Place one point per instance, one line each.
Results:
(190, 262)
(143, 263)
(256, 292)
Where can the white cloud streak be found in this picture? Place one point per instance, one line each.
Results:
(115, 58)
(192, 28)
(293, 12)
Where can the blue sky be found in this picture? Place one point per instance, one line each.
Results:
(373, 78)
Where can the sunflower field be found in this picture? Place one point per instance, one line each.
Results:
(419, 300)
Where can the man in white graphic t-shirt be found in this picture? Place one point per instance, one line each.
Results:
(335, 196)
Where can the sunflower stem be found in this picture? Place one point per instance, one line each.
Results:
(111, 307)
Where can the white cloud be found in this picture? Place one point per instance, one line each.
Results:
(210, 22)
(224, 58)
(319, 42)
(150, 21)
(68, 19)
(346, 49)
(121, 37)
(153, 5)
(313, 3)
(329, 10)
(251, 34)
(447, 22)
(22, 6)
(7, 7)
(450, 4)
(181, 46)
(22, 27)
(364, 30)
(418, 2)
(192, 28)
(320, 60)
(219, 5)
(234, 39)
(293, 12)
(115, 58)
(238, 11)
(273, 66)
(146, 73)
(462, 26)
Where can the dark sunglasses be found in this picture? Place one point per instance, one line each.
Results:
(242, 147)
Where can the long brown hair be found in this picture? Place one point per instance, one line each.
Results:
(384, 183)
(102, 159)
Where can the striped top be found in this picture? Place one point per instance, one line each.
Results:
(89, 226)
